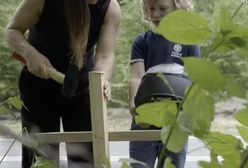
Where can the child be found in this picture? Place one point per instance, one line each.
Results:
(152, 53)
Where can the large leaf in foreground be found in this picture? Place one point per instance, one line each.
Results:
(227, 146)
(184, 27)
(159, 113)
(205, 73)
(198, 111)
(169, 137)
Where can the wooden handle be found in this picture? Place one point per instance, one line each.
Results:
(52, 73)
(56, 75)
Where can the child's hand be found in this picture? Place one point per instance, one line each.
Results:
(132, 111)
(107, 90)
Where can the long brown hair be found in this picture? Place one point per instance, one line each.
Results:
(78, 20)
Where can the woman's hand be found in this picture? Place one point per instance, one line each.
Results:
(37, 65)
(107, 90)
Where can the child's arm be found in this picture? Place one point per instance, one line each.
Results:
(137, 72)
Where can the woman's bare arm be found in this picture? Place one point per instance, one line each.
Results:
(105, 51)
(26, 15)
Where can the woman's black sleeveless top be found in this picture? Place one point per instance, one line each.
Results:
(50, 37)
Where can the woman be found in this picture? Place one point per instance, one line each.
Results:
(62, 34)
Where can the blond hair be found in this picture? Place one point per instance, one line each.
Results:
(180, 4)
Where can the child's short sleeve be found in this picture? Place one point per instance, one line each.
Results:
(138, 49)
(194, 51)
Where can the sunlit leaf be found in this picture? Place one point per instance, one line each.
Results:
(158, 113)
(198, 111)
(184, 27)
(205, 73)
(242, 117)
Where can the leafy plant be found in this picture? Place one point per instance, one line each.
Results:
(9, 69)
(208, 78)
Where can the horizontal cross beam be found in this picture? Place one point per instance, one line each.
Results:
(86, 136)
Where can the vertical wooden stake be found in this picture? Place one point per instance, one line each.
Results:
(98, 119)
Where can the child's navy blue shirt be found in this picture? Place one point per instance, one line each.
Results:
(153, 49)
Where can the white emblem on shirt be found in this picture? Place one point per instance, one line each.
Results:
(177, 49)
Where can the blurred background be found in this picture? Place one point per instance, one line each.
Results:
(132, 23)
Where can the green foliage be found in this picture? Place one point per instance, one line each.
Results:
(208, 77)
(205, 73)
(213, 164)
(157, 113)
(168, 163)
(41, 162)
(242, 117)
(10, 105)
(198, 111)
(9, 69)
(227, 146)
(169, 137)
(190, 29)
